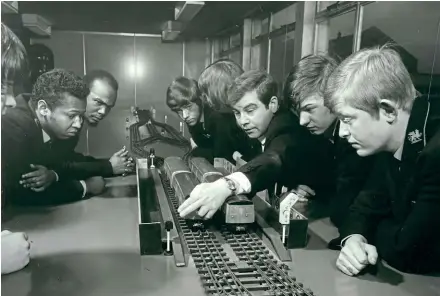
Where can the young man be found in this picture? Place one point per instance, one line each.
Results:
(253, 97)
(14, 65)
(397, 216)
(304, 89)
(29, 162)
(15, 246)
(101, 99)
(215, 133)
(215, 81)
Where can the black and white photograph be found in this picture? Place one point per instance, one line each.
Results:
(246, 148)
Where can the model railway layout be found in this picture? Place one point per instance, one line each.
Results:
(230, 257)
(155, 132)
(253, 272)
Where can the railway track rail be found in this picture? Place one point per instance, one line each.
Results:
(234, 263)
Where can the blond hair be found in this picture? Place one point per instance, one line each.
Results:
(368, 76)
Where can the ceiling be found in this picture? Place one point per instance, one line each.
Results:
(146, 17)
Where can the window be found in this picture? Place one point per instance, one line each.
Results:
(235, 40)
(413, 29)
(322, 5)
(282, 43)
(281, 56)
(335, 35)
(260, 41)
(284, 17)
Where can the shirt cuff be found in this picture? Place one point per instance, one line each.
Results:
(57, 178)
(347, 237)
(242, 183)
(84, 187)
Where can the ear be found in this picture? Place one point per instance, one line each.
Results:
(273, 104)
(43, 108)
(388, 109)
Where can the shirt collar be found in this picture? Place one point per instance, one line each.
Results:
(46, 137)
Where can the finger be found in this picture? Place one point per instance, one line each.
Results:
(129, 164)
(123, 154)
(40, 189)
(31, 174)
(203, 211)
(348, 256)
(25, 236)
(371, 254)
(118, 153)
(307, 189)
(30, 182)
(348, 265)
(190, 207)
(357, 252)
(343, 268)
(302, 193)
(210, 214)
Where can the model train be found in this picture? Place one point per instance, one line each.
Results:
(238, 210)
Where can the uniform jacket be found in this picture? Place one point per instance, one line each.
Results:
(72, 164)
(291, 157)
(219, 136)
(350, 175)
(399, 211)
(22, 145)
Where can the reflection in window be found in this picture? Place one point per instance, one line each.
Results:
(281, 56)
(335, 36)
(236, 56)
(225, 43)
(284, 17)
(413, 30)
(235, 40)
(322, 5)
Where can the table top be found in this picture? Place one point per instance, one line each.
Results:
(92, 248)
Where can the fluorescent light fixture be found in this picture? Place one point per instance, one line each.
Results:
(37, 24)
(185, 11)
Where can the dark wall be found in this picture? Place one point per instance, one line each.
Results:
(143, 66)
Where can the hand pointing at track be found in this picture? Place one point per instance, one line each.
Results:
(206, 198)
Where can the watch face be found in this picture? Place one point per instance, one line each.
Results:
(231, 184)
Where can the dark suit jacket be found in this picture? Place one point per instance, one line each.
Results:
(350, 175)
(219, 136)
(399, 210)
(22, 145)
(291, 157)
(71, 164)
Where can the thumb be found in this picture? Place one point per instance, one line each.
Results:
(371, 253)
(36, 166)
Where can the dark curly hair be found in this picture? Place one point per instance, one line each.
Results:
(53, 85)
(14, 57)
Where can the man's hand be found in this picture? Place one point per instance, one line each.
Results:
(356, 255)
(207, 198)
(39, 179)
(304, 192)
(15, 251)
(95, 185)
(121, 163)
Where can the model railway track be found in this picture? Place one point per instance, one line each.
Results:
(256, 272)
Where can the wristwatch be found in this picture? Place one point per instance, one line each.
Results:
(231, 185)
